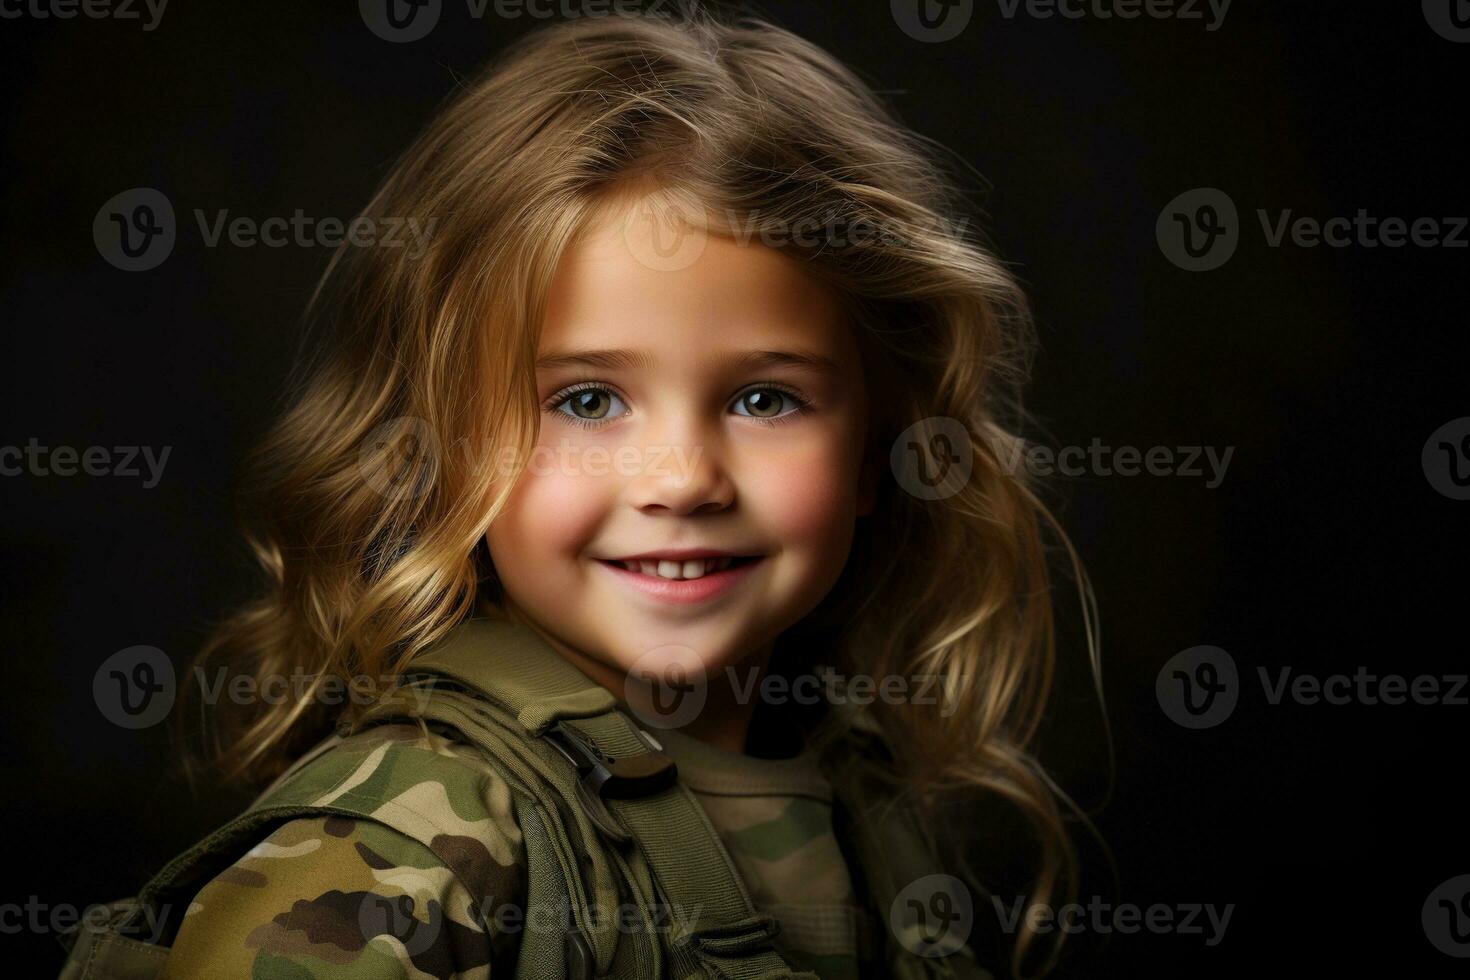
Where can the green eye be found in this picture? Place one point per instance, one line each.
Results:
(590, 404)
(768, 403)
(762, 403)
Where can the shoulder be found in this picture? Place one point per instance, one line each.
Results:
(334, 896)
(439, 792)
(404, 849)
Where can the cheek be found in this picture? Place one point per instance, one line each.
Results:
(549, 514)
(807, 499)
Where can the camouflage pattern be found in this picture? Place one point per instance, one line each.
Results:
(404, 883)
(774, 816)
(423, 854)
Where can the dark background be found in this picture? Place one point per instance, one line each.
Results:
(1325, 548)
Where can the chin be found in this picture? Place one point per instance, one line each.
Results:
(711, 650)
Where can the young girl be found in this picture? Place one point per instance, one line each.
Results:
(698, 381)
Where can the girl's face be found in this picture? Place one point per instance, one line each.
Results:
(690, 415)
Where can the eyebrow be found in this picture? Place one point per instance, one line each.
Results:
(624, 358)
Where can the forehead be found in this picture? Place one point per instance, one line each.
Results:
(628, 281)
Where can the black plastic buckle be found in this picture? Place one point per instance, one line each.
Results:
(609, 778)
(580, 962)
(600, 777)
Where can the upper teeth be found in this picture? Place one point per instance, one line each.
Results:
(663, 568)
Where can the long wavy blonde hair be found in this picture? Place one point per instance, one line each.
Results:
(749, 120)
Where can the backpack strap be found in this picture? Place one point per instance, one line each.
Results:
(114, 951)
(340, 776)
(599, 804)
(614, 776)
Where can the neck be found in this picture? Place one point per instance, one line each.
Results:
(724, 721)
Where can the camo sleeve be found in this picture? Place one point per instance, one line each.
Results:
(336, 898)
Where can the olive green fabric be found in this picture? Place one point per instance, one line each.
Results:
(775, 818)
(407, 878)
(450, 838)
(676, 857)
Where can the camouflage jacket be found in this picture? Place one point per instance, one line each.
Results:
(397, 852)
(420, 890)
(434, 884)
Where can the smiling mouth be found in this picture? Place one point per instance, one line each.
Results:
(691, 568)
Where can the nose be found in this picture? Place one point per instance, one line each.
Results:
(682, 475)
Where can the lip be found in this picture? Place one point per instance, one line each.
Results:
(681, 554)
(683, 591)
